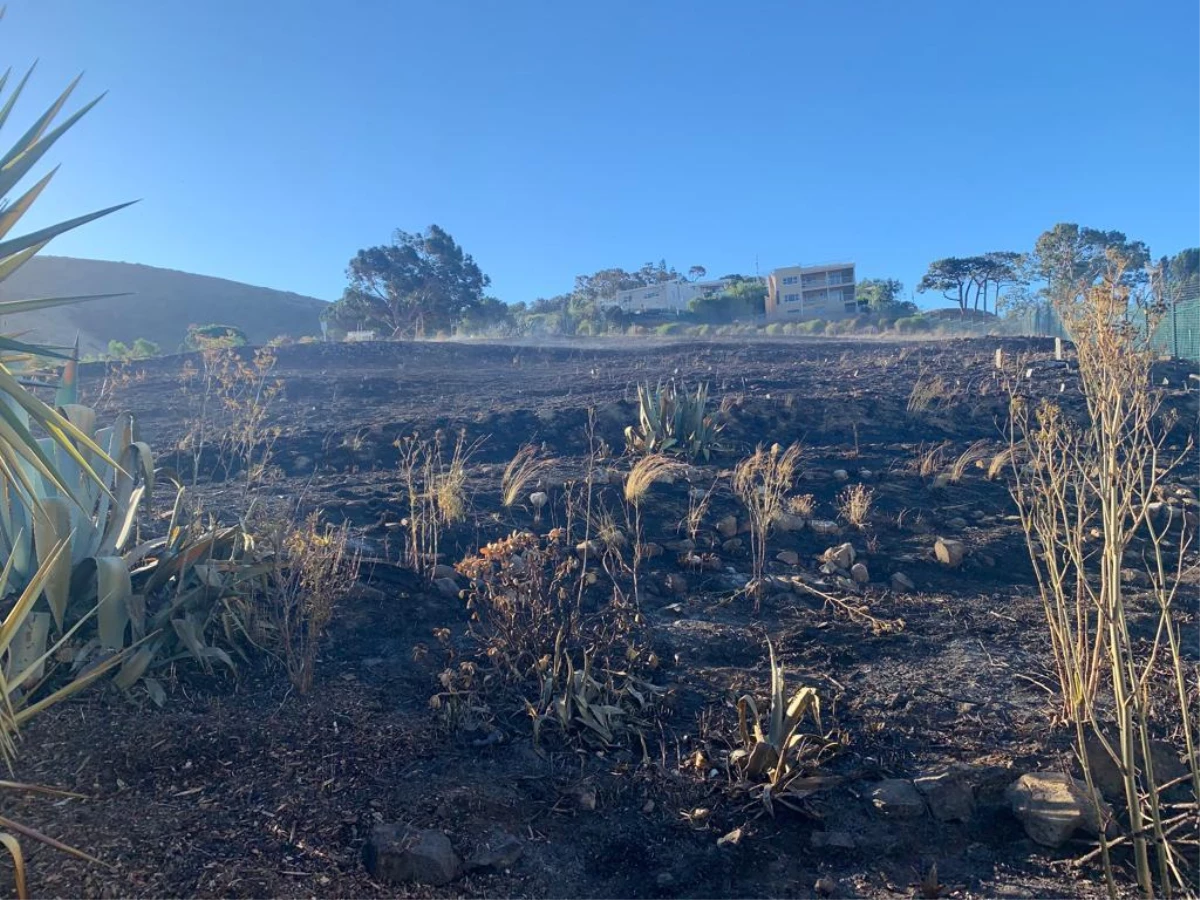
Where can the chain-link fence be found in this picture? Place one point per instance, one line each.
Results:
(1177, 333)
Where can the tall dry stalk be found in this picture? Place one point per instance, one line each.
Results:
(644, 473)
(435, 488)
(1073, 480)
(761, 481)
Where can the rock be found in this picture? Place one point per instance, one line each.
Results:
(940, 482)
(1106, 774)
(837, 840)
(789, 522)
(447, 587)
(586, 798)
(538, 499)
(651, 550)
(824, 526)
(956, 524)
(950, 797)
(841, 475)
(949, 553)
(733, 545)
(865, 474)
(397, 853)
(859, 573)
(841, 556)
(902, 584)
(1052, 805)
(1135, 578)
(825, 886)
(788, 557)
(686, 545)
(675, 584)
(727, 527)
(498, 854)
(590, 549)
(897, 798)
(443, 571)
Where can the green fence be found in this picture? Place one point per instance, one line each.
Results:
(1178, 334)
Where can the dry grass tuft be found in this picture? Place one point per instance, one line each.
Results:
(802, 505)
(854, 504)
(761, 481)
(645, 472)
(523, 470)
(977, 451)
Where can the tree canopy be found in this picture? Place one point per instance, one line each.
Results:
(1068, 257)
(970, 280)
(420, 282)
(879, 294)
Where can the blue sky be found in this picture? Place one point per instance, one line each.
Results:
(270, 139)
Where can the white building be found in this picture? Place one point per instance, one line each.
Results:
(669, 296)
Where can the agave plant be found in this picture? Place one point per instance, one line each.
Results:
(774, 755)
(669, 419)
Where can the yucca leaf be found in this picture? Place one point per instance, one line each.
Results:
(12, 307)
(15, 210)
(15, 95)
(114, 591)
(24, 155)
(13, 846)
(42, 235)
(38, 128)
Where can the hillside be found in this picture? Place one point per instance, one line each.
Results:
(163, 303)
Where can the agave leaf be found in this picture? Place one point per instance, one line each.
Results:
(14, 262)
(52, 532)
(27, 653)
(33, 145)
(13, 846)
(114, 592)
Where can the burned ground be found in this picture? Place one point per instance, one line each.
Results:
(240, 787)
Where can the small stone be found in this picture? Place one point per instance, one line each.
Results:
(841, 475)
(397, 853)
(902, 584)
(686, 545)
(648, 807)
(441, 570)
(1052, 806)
(859, 573)
(788, 557)
(940, 482)
(586, 798)
(897, 798)
(589, 548)
(651, 550)
(949, 796)
(956, 524)
(447, 587)
(675, 584)
(825, 886)
(538, 499)
(841, 556)
(837, 840)
(865, 474)
(727, 527)
(1135, 578)
(824, 526)
(949, 552)
(499, 854)
(733, 545)
(789, 522)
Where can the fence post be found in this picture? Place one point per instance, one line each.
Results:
(1058, 353)
(1174, 331)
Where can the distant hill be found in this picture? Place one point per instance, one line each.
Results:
(163, 303)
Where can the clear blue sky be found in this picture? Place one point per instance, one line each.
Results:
(269, 140)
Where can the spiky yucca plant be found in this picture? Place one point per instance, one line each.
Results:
(29, 467)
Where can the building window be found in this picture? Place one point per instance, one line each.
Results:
(791, 298)
(790, 279)
(649, 294)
